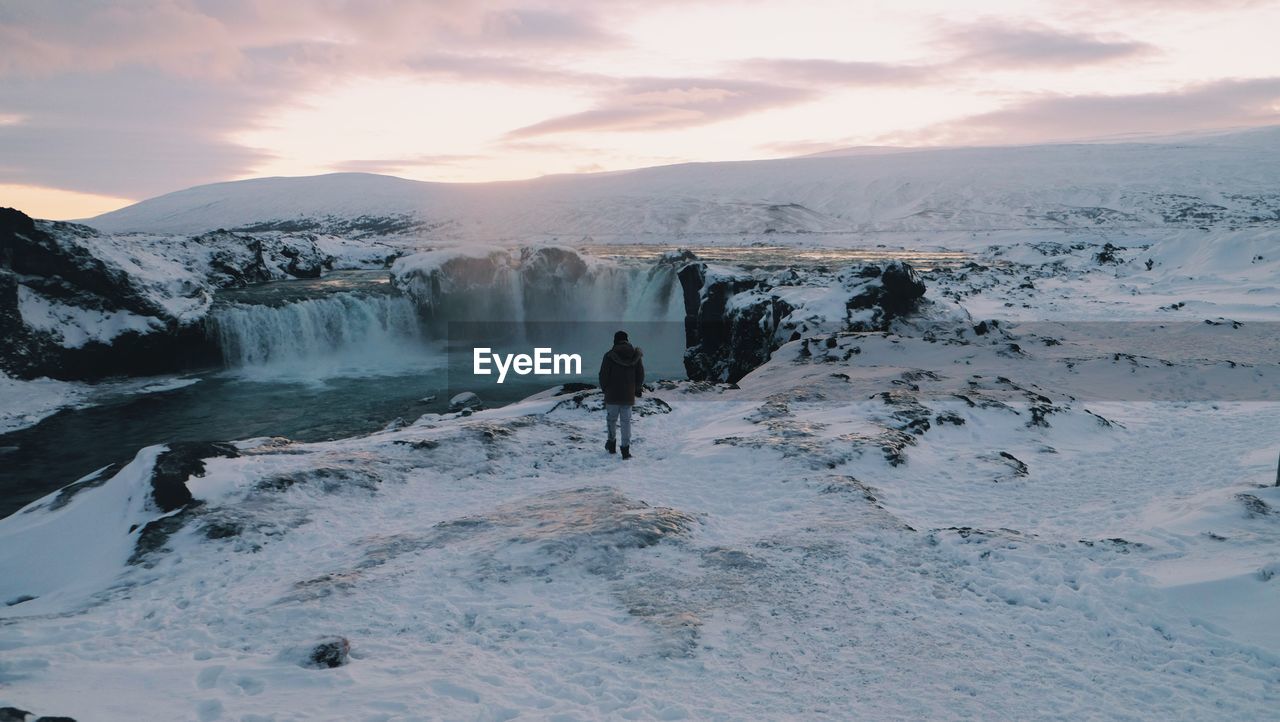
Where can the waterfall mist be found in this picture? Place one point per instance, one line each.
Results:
(514, 300)
(442, 304)
(339, 335)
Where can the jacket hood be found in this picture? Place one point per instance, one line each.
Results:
(625, 354)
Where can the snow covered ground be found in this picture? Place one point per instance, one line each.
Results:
(499, 563)
(870, 534)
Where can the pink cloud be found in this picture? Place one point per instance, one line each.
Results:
(668, 103)
(1220, 104)
(1011, 46)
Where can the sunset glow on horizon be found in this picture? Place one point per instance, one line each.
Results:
(105, 104)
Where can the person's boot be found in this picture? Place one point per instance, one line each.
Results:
(626, 452)
(611, 446)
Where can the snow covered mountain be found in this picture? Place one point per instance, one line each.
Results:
(1227, 180)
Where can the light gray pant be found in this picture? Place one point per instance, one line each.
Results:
(612, 412)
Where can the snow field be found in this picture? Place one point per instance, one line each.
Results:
(492, 570)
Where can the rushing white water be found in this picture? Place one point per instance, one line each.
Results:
(546, 284)
(341, 334)
(544, 297)
(548, 297)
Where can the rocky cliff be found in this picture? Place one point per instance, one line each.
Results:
(734, 320)
(79, 304)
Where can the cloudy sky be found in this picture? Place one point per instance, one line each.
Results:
(103, 103)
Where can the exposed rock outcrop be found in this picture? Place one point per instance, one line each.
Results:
(735, 321)
(169, 493)
(723, 343)
(77, 304)
(329, 653)
(180, 462)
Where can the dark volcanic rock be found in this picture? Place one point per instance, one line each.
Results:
(51, 260)
(733, 324)
(155, 535)
(181, 462)
(169, 492)
(95, 479)
(898, 294)
(49, 250)
(1254, 507)
(238, 259)
(722, 345)
(1019, 467)
(329, 653)
(46, 262)
(30, 353)
(1107, 256)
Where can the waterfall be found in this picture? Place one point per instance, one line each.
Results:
(340, 334)
(507, 298)
(510, 298)
(539, 284)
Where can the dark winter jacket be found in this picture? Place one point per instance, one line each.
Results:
(621, 374)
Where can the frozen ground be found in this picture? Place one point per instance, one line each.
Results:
(839, 537)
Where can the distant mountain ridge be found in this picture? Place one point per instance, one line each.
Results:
(1225, 180)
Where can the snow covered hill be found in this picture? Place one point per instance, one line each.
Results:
(1228, 180)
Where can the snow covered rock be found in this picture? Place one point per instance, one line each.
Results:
(237, 259)
(731, 328)
(590, 528)
(735, 320)
(796, 517)
(77, 304)
(591, 399)
(896, 294)
(86, 337)
(179, 462)
(330, 653)
(465, 400)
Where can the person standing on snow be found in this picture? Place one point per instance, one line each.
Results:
(621, 376)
